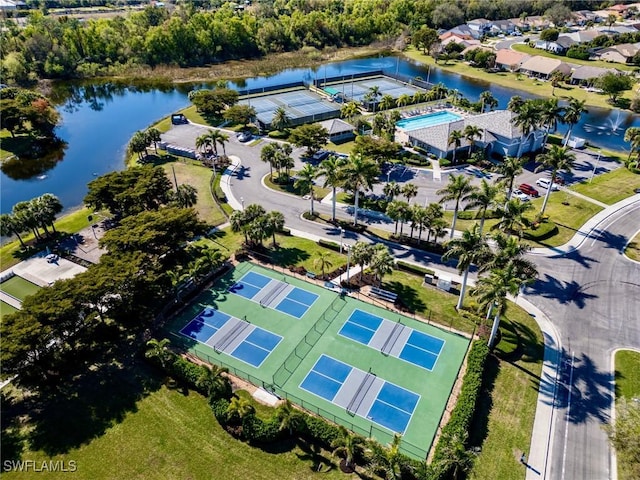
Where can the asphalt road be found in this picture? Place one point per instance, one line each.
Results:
(592, 296)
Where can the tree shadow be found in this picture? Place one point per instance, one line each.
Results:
(407, 295)
(609, 239)
(480, 424)
(563, 292)
(312, 452)
(283, 257)
(88, 405)
(579, 257)
(242, 172)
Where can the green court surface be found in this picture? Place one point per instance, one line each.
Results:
(18, 287)
(306, 339)
(6, 309)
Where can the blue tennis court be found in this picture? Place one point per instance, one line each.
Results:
(361, 393)
(269, 292)
(393, 338)
(232, 336)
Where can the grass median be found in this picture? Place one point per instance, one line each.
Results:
(633, 249)
(610, 187)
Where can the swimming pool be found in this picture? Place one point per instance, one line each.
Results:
(427, 120)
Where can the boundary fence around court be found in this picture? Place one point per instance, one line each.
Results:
(270, 88)
(383, 436)
(320, 326)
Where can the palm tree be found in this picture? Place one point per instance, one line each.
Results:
(9, 225)
(488, 100)
(304, 182)
(323, 261)
(186, 196)
(217, 137)
(373, 94)
(269, 154)
(491, 293)
(153, 136)
(454, 95)
(280, 120)
(359, 173)
(238, 222)
(348, 445)
(419, 218)
(510, 252)
(361, 253)
(419, 97)
(50, 206)
(329, 168)
(458, 188)
(387, 102)
(391, 190)
(469, 249)
(513, 218)
(159, 349)
(396, 212)
(388, 460)
(632, 135)
(203, 142)
(527, 120)
(455, 458)
(349, 110)
(483, 198)
(404, 100)
(290, 419)
(382, 262)
(438, 92)
(409, 191)
(471, 132)
(572, 114)
(508, 170)
(213, 382)
(515, 103)
(274, 224)
(550, 114)
(222, 139)
(239, 408)
(455, 139)
(557, 159)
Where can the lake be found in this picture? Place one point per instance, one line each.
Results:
(99, 119)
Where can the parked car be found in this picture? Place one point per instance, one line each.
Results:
(529, 190)
(244, 136)
(523, 197)
(559, 179)
(546, 183)
(320, 155)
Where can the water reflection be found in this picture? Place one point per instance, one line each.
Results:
(28, 168)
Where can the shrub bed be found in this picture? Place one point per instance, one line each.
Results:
(409, 267)
(543, 231)
(330, 245)
(457, 427)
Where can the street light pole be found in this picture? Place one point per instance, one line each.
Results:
(341, 237)
(595, 167)
(242, 202)
(348, 259)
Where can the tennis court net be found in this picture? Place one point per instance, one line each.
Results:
(228, 339)
(273, 293)
(304, 101)
(392, 338)
(361, 393)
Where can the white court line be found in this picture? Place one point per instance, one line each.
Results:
(566, 430)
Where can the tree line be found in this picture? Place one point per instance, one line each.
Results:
(196, 34)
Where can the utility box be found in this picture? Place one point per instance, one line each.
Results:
(428, 279)
(444, 283)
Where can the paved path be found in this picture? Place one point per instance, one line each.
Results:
(11, 300)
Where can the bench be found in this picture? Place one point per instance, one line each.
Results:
(311, 275)
(384, 294)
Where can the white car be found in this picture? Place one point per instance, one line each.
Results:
(546, 183)
(523, 197)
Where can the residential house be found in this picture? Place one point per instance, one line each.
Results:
(543, 67)
(11, 5)
(559, 46)
(537, 22)
(622, 53)
(582, 36)
(339, 130)
(581, 17)
(510, 60)
(499, 135)
(460, 30)
(465, 42)
(586, 75)
(506, 27)
(479, 26)
(617, 29)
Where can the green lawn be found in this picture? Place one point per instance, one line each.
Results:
(517, 82)
(610, 187)
(173, 434)
(19, 288)
(345, 147)
(319, 192)
(6, 309)
(627, 364)
(633, 249)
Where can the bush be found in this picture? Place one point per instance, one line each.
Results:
(186, 371)
(330, 245)
(444, 162)
(413, 268)
(278, 135)
(219, 408)
(471, 215)
(462, 415)
(318, 429)
(543, 231)
(256, 430)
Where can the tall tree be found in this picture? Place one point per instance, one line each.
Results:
(471, 248)
(409, 191)
(513, 217)
(329, 169)
(214, 381)
(488, 101)
(311, 136)
(9, 225)
(323, 261)
(471, 133)
(527, 119)
(159, 349)
(153, 137)
(305, 182)
(551, 113)
(557, 159)
(186, 196)
(275, 224)
(508, 170)
(358, 174)
(391, 190)
(349, 110)
(458, 188)
(280, 120)
(632, 135)
(290, 419)
(347, 444)
(455, 139)
(572, 114)
(381, 262)
(396, 211)
(239, 408)
(483, 198)
(510, 252)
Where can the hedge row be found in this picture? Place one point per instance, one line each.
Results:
(458, 426)
(330, 245)
(471, 215)
(409, 267)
